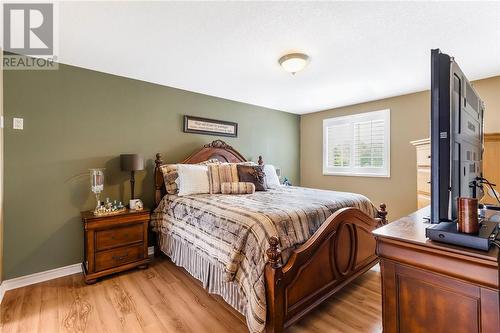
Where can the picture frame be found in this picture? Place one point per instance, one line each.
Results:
(206, 126)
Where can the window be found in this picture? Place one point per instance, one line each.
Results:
(357, 145)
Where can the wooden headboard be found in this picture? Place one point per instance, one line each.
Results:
(217, 149)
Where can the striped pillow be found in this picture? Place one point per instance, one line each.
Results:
(221, 173)
(237, 188)
(171, 175)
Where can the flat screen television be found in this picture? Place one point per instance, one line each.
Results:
(456, 138)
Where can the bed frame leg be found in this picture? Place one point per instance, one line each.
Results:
(157, 248)
(157, 252)
(275, 293)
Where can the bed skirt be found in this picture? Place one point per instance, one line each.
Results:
(203, 269)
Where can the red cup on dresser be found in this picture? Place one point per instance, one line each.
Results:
(468, 221)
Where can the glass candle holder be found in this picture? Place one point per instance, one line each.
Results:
(97, 184)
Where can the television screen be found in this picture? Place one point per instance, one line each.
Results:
(456, 138)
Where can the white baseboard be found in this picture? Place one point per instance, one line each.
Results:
(27, 280)
(55, 273)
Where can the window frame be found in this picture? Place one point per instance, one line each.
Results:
(385, 115)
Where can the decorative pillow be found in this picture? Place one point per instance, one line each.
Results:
(221, 173)
(247, 163)
(170, 175)
(253, 174)
(272, 179)
(210, 161)
(237, 188)
(193, 179)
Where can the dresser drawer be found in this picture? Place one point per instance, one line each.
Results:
(424, 180)
(118, 257)
(424, 155)
(121, 236)
(423, 200)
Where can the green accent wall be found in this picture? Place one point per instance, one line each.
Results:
(76, 119)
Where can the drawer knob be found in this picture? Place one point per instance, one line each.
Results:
(120, 258)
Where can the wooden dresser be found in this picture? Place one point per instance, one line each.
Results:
(434, 287)
(491, 167)
(114, 243)
(423, 172)
(491, 163)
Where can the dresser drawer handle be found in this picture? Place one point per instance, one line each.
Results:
(120, 258)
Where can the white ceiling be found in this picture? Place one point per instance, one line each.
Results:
(360, 51)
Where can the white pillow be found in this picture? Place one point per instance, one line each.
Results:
(193, 179)
(272, 178)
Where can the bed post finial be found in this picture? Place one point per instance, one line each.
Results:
(158, 161)
(382, 213)
(260, 161)
(274, 252)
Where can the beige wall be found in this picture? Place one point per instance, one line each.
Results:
(489, 90)
(1, 167)
(409, 121)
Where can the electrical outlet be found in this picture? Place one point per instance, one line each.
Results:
(18, 123)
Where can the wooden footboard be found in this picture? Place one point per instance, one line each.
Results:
(342, 249)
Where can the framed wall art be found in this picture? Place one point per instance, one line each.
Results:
(207, 126)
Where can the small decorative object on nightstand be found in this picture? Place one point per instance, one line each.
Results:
(136, 204)
(114, 243)
(97, 186)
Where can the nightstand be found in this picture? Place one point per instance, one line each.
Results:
(114, 243)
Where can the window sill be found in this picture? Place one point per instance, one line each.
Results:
(355, 174)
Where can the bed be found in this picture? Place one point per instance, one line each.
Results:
(273, 255)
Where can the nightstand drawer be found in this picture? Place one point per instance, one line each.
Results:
(121, 236)
(117, 257)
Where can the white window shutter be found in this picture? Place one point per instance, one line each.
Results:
(339, 147)
(357, 145)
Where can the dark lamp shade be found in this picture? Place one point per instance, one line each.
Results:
(131, 162)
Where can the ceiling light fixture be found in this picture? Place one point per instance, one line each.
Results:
(294, 62)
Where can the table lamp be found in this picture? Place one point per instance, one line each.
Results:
(132, 163)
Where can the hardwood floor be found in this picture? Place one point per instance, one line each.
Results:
(163, 298)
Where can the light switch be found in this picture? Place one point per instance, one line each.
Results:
(18, 123)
